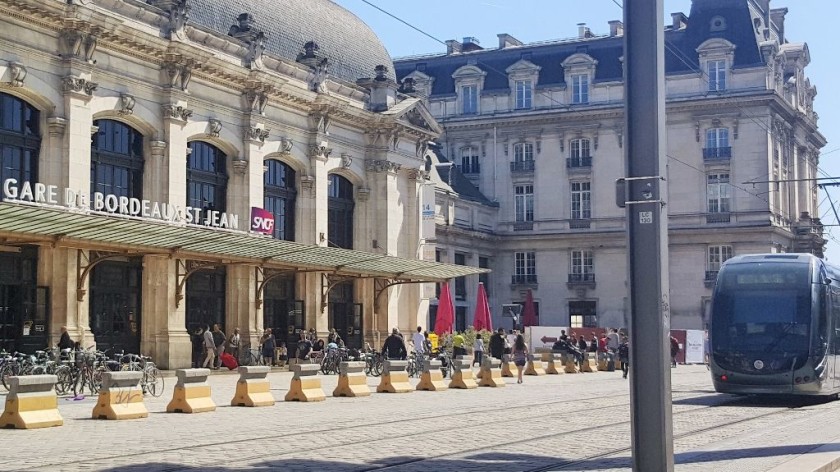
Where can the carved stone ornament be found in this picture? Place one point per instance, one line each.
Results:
(256, 134)
(379, 165)
(362, 194)
(176, 112)
(346, 160)
(285, 145)
(318, 79)
(78, 40)
(421, 146)
(126, 104)
(73, 84)
(245, 30)
(322, 122)
(239, 165)
(417, 174)
(697, 131)
(320, 150)
(17, 74)
(255, 98)
(158, 148)
(57, 125)
(175, 20)
(214, 127)
(306, 182)
(619, 133)
(178, 71)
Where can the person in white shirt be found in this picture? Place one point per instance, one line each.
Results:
(478, 349)
(419, 341)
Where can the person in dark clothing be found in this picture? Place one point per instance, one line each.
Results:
(593, 344)
(675, 349)
(582, 344)
(219, 340)
(304, 347)
(197, 339)
(394, 347)
(65, 342)
(497, 344)
(624, 356)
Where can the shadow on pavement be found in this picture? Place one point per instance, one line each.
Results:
(484, 461)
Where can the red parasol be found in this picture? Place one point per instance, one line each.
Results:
(529, 312)
(482, 320)
(445, 312)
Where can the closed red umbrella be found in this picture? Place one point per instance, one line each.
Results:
(482, 320)
(529, 312)
(445, 312)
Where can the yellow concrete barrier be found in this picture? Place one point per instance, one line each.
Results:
(431, 378)
(306, 385)
(462, 376)
(253, 388)
(551, 366)
(352, 381)
(120, 397)
(31, 403)
(508, 367)
(569, 362)
(534, 366)
(192, 393)
(394, 378)
(602, 362)
(586, 365)
(491, 373)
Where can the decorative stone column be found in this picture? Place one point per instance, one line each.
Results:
(316, 214)
(164, 333)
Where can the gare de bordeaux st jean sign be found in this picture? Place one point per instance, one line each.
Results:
(262, 221)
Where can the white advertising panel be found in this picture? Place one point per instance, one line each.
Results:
(542, 336)
(694, 346)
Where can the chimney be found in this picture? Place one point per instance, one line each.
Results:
(616, 28)
(583, 31)
(777, 16)
(383, 91)
(506, 41)
(470, 44)
(453, 47)
(678, 20)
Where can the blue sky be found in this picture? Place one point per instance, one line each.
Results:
(810, 21)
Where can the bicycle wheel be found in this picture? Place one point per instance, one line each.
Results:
(376, 369)
(64, 379)
(7, 371)
(154, 381)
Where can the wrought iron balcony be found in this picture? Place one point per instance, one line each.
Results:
(717, 153)
(523, 279)
(522, 166)
(579, 223)
(578, 162)
(523, 226)
(581, 280)
(718, 218)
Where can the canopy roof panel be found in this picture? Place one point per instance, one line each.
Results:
(58, 225)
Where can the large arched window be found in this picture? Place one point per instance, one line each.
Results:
(279, 198)
(20, 140)
(206, 177)
(340, 207)
(116, 160)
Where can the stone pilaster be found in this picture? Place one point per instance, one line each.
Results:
(173, 167)
(241, 311)
(163, 330)
(57, 269)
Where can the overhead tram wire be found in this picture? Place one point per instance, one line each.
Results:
(567, 107)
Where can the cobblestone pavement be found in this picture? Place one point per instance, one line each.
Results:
(565, 422)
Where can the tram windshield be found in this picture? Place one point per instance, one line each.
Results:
(763, 308)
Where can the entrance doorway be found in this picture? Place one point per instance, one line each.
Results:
(206, 299)
(115, 305)
(346, 316)
(23, 305)
(582, 314)
(282, 313)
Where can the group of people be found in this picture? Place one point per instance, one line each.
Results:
(611, 345)
(210, 344)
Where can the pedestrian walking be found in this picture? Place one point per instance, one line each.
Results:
(233, 344)
(268, 347)
(478, 350)
(419, 342)
(218, 343)
(520, 356)
(394, 347)
(582, 344)
(458, 345)
(675, 349)
(593, 343)
(497, 344)
(624, 356)
(209, 349)
(197, 340)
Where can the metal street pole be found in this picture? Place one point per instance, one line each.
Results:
(647, 236)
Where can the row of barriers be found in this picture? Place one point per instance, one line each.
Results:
(32, 401)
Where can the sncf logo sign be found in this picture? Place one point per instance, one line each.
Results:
(262, 221)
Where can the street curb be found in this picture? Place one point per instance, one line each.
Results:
(825, 458)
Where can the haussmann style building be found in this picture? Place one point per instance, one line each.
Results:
(532, 146)
(168, 164)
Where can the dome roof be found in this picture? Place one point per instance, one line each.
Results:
(353, 49)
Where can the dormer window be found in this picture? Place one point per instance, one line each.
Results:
(580, 88)
(469, 80)
(524, 91)
(717, 75)
(469, 99)
(716, 56)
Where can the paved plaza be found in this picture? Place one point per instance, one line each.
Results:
(564, 422)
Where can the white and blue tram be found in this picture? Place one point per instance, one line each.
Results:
(775, 326)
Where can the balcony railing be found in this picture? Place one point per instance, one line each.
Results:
(577, 162)
(717, 153)
(474, 169)
(578, 278)
(522, 166)
(523, 226)
(718, 218)
(710, 278)
(579, 223)
(523, 279)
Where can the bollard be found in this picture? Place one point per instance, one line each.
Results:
(394, 378)
(553, 362)
(192, 393)
(534, 366)
(508, 367)
(352, 381)
(462, 375)
(571, 367)
(120, 397)
(431, 379)
(253, 388)
(491, 373)
(31, 403)
(306, 385)
(585, 365)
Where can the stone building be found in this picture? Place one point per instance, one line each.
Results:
(538, 129)
(144, 143)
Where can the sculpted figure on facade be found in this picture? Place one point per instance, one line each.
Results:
(256, 98)
(256, 134)
(285, 145)
(177, 15)
(126, 104)
(245, 30)
(17, 74)
(80, 85)
(214, 127)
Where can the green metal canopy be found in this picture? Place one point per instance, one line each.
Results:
(35, 223)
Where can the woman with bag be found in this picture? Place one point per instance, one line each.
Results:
(520, 355)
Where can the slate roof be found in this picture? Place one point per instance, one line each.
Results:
(680, 53)
(449, 177)
(352, 47)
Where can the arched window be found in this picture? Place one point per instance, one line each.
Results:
(279, 198)
(340, 207)
(20, 139)
(206, 177)
(116, 160)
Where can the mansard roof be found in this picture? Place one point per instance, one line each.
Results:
(680, 54)
(450, 178)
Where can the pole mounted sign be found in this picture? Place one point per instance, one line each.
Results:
(262, 221)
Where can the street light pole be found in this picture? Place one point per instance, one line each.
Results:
(647, 235)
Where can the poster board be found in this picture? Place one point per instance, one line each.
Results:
(542, 336)
(694, 346)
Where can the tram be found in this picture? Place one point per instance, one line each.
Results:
(775, 326)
